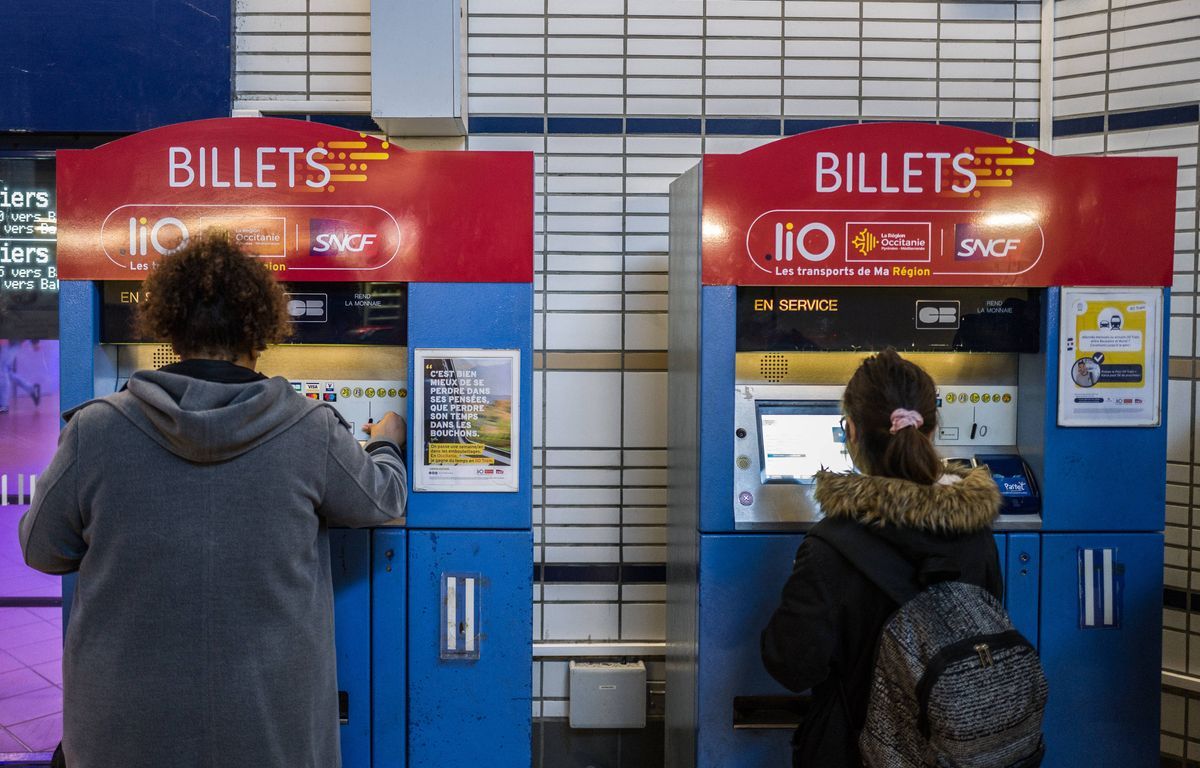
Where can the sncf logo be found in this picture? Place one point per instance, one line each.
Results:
(333, 237)
(976, 248)
(938, 315)
(354, 242)
(985, 242)
(308, 307)
(165, 236)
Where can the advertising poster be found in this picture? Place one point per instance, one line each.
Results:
(1110, 358)
(467, 412)
(28, 324)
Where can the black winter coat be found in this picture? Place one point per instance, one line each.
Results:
(823, 635)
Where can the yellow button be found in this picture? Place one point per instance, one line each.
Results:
(404, 393)
(974, 397)
(370, 391)
(1008, 398)
(950, 398)
(345, 392)
(392, 392)
(987, 398)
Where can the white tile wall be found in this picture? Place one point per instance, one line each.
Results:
(302, 51)
(1114, 55)
(600, 401)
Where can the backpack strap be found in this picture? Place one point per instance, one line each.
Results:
(872, 556)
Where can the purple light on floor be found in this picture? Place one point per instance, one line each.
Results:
(30, 651)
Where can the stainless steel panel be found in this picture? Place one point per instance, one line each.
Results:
(116, 362)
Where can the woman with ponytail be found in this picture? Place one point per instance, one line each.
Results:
(902, 499)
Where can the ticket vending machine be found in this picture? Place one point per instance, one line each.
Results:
(1037, 301)
(409, 277)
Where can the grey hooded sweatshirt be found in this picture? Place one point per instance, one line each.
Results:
(196, 514)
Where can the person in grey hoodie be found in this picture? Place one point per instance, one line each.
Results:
(195, 507)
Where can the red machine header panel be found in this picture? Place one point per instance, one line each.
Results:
(314, 202)
(914, 204)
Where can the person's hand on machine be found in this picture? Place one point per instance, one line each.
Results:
(390, 427)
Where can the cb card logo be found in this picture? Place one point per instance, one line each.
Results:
(938, 315)
(308, 307)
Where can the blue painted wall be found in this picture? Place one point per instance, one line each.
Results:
(114, 65)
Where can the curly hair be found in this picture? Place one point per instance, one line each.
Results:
(211, 299)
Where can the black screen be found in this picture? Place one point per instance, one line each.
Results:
(789, 319)
(322, 313)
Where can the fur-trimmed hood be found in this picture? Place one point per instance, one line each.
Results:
(964, 500)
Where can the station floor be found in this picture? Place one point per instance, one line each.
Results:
(30, 652)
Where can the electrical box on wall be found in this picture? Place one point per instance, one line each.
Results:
(417, 55)
(608, 695)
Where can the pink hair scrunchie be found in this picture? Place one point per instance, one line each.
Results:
(902, 418)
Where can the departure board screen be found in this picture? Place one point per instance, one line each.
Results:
(799, 438)
(28, 263)
(29, 404)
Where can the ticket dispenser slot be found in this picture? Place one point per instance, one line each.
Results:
(770, 712)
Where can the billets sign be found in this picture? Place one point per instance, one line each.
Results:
(915, 204)
(314, 202)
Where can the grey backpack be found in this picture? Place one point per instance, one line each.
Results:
(955, 685)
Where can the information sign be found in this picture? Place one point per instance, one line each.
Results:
(1110, 358)
(467, 412)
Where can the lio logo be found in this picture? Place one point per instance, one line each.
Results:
(789, 241)
(143, 236)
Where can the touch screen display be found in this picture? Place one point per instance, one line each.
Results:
(799, 438)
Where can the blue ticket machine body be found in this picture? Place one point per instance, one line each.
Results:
(782, 280)
(432, 267)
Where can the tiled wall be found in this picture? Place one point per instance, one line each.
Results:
(316, 52)
(1140, 64)
(617, 97)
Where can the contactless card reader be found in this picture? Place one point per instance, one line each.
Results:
(1018, 489)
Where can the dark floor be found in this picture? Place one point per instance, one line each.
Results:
(557, 745)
